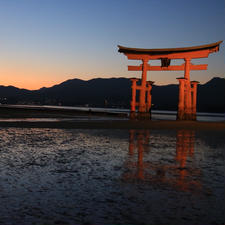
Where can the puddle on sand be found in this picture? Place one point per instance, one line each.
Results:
(67, 176)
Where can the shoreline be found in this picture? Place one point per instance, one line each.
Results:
(120, 124)
(8, 111)
(76, 119)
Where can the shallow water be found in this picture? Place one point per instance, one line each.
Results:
(73, 119)
(156, 114)
(68, 176)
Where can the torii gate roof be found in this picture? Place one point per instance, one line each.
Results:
(161, 51)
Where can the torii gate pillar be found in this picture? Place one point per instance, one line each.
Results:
(194, 98)
(180, 111)
(142, 104)
(187, 95)
(145, 99)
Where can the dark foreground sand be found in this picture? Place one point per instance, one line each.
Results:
(110, 176)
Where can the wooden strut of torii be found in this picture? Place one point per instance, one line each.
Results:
(187, 89)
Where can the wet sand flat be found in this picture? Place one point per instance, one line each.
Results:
(111, 176)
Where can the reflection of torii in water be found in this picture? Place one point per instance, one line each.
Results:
(177, 175)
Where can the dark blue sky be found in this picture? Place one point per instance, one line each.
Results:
(44, 42)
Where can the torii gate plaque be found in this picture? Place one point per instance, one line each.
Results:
(187, 89)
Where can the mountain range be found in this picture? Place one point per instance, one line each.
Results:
(114, 92)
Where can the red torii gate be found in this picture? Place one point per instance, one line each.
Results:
(187, 88)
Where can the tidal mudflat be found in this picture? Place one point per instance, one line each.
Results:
(110, 176)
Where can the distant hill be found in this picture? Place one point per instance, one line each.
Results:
(114, 92)
(211, 96)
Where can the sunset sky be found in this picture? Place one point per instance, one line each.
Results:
(45, 42)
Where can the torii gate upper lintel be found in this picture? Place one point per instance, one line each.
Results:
(187, 89)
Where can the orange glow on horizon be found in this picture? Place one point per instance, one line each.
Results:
(34, 79)
(34, 75)
(35, 82)
(26, 82)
